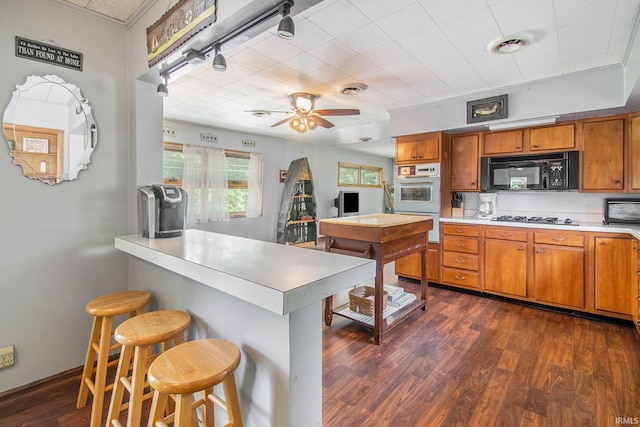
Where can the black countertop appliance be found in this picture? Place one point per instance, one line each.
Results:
(162, 210)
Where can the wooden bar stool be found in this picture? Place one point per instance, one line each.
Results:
(103, 309)
(195, 366)
(138, 335)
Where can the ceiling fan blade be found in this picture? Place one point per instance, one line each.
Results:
(266, 111)
(338, 112)
(322, 122)
(281, 122)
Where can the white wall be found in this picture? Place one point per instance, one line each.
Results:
(57, 241)
(278, 154)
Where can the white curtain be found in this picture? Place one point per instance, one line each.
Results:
(254, 196)
(205, 181)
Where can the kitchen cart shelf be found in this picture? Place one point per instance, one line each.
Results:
(393, 318)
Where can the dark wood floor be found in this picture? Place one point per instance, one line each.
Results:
(466, 361)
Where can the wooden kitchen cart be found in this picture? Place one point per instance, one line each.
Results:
(384, 238)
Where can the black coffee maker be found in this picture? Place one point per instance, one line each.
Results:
(162, 210)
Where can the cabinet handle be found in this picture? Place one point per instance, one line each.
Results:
(518, 147)
(521, 248)
(534, 146)
(460, 261)
(459, 230)
(540, 251)
(602, 243)
(504, 234)
(557, 238)
(459, 245)
(460, 277)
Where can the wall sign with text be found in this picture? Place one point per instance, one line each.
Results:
(42, 52)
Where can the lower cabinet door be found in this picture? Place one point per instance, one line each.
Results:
(559, 275)
(505, 267)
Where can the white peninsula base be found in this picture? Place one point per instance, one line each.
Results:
(265, 298)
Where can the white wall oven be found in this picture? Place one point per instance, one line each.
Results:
(417, 191)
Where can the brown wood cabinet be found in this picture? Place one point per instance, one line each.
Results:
(421, 148)
(614, 278)
(410, 266)
(495, 143)
(464, 162)
(635, 294)
(634, 153)
(553, 138)
(460, 255)
(603, 155)
(505, 261)
(559, 268)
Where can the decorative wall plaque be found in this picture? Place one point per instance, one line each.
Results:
(177, 26)
(485, 109)
(42, 52)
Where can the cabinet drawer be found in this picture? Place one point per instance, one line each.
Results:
(460, 277)
(460, 244)
(460, 230)
(505, 233)
(460, 260)
(563, 239)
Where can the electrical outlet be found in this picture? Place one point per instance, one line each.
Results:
(248, 143)
(6, 356)
(168, 131)
(208, 137)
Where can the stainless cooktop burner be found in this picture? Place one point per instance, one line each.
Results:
(536, 220)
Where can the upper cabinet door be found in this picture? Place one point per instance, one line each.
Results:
(634, 155)
(603, 155)
(464, 162)
(502, 142)
(553, 138)
(422, 148)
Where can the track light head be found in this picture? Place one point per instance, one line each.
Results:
(286, 28)
(219, 63)
(162, 89)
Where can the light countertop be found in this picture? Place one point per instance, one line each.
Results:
(275, 277)
(634, 230)
(376, 220)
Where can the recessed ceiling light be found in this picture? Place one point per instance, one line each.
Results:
(510, 44)
(352, 88)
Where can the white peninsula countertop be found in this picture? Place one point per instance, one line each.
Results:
(275, 277)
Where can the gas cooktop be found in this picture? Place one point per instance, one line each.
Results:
(536, 220)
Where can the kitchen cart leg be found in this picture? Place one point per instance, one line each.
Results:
(328, 310)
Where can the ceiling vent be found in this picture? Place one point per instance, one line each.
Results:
(510, 44)
(352, 88)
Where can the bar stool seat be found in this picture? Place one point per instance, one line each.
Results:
(138, 335)
(94, 373)
(195, 366)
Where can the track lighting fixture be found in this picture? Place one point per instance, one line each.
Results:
(162, 89)
(286, 28)
(219, 63)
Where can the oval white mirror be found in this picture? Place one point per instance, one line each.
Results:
(50, 129)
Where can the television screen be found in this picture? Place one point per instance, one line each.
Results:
(348, 203)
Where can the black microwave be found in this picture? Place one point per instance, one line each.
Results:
(550, 171)
(622, 211)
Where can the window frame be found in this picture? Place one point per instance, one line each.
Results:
(378, 170)
(242, 185)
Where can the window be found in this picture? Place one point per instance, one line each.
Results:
(350, 175)
(238, 166)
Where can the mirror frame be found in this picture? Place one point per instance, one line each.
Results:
(46, 148)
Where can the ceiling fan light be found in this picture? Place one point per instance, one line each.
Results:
(302, 128)
(312, 124)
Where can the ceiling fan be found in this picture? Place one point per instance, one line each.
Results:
(304, 115)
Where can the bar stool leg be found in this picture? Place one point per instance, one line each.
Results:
(87, 371)
(207, 410)
(140, 357)
(232, 404)
(183, 410)
(118, 388)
